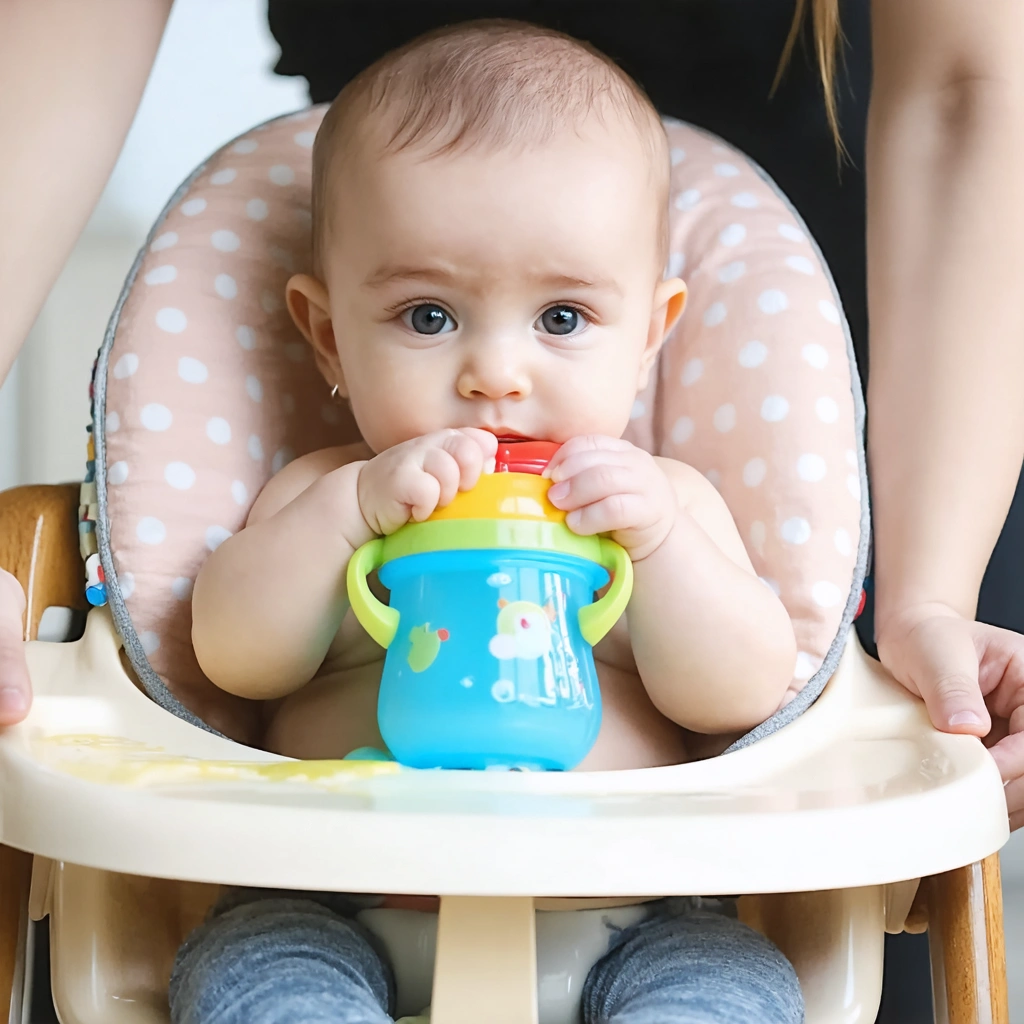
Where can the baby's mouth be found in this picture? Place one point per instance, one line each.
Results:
(506, 436)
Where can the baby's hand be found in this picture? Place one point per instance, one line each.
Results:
(412, 479)
(608, 485)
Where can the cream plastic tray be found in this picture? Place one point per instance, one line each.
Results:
(859, 791)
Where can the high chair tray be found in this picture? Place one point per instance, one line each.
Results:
(860, 790)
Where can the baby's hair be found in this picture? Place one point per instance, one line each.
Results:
(491, 83)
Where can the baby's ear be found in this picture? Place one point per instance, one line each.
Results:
(311, 312)
(669, 302)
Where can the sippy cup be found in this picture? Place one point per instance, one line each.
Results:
(491, 625)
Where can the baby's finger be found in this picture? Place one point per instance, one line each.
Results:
(484, 438)
(423, 496)
(469, 457)
(615, 512)
(593, 484)
(585, 443)
(581, 461)
(445, 469)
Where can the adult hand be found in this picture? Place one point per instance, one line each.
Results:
(15, 687)
(971, 677)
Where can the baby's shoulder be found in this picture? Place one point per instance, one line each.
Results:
(692, 487)
(699, 497)
(301, 473)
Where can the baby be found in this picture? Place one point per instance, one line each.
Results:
(490, 235)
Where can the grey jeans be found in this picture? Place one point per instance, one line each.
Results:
(300, 958)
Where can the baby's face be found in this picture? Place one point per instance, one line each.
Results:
(516, 292)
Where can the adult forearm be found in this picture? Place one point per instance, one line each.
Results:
(945, 272)
(71, 75)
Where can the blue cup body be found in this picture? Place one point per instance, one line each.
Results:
(488, 668)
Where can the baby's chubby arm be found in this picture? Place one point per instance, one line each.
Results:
(269, 601)
(713, 645)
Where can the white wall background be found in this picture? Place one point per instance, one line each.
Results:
(212, 80)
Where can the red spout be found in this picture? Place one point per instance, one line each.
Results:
(524, 456)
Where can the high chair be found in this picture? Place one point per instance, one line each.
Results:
(124, 805)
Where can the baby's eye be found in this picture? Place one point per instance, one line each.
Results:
(561, 320)
(428, 319)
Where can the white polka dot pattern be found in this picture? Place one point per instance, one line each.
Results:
(210, 389)
(197, 381)
(765, 409)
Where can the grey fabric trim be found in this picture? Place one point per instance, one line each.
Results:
(154, 686)
(812, 690)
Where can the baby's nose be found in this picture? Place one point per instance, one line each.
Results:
(493, 376)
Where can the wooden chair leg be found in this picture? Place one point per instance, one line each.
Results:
(965, 932)
(486, 966)
(15, 875)
(39, 545)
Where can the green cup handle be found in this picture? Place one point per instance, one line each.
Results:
(598, 618)
(380, 621)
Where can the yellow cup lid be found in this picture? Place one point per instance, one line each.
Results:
(504, 496)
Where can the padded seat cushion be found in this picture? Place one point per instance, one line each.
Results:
(204, 389)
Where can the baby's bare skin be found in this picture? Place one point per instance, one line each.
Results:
(336, 712)
(466, 297)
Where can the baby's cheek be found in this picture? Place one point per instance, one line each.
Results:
(607, 403)
(392, 405)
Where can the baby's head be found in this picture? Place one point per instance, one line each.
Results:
(490, 211)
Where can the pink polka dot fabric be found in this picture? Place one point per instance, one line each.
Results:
(205, 390)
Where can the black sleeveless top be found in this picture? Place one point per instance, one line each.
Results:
(711, 62)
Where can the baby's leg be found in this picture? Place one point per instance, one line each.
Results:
(279, 958)
(690, 966)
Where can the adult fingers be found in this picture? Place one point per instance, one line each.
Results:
(15, 686)
(1014, 792)
(1001, 669)
(939, 661)
(1008, 755)
(1016, 720)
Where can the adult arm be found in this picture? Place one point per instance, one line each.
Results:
(72, 73)
(945, 266)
